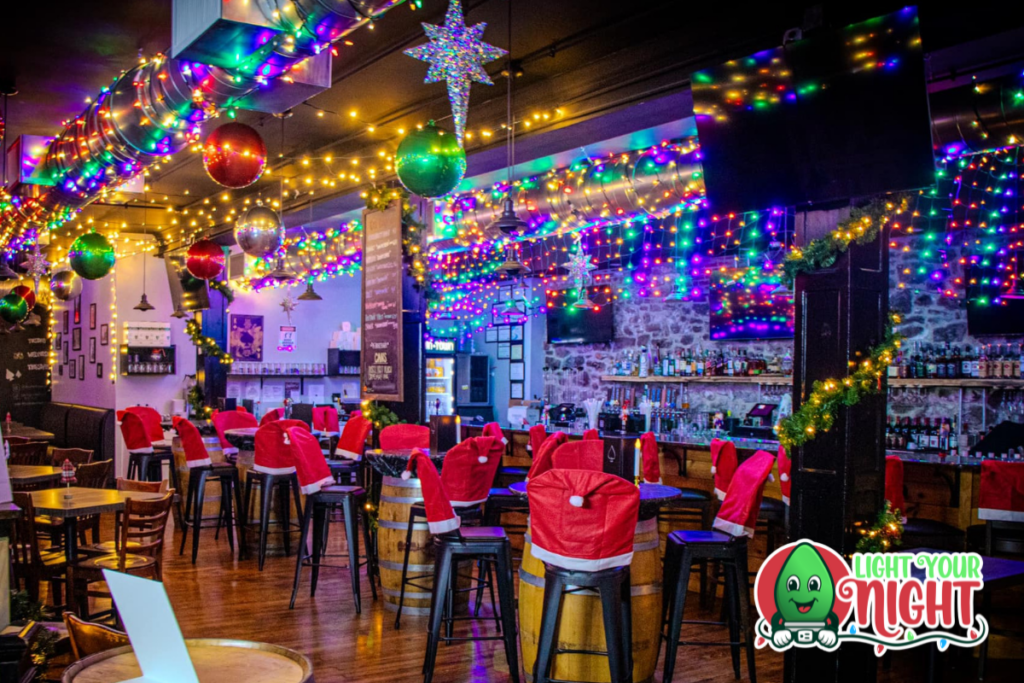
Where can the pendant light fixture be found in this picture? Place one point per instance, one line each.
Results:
(144, 304)
(280, 273)
(179, 313)
(310, 294)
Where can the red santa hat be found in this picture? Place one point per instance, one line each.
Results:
(493, 429)
(274, 451)
(192, 444)
(649, 453)
(353, 438)
(579, 455)
(542, 458)
(537, 435)
(310, 466)
(325, 419)
(591, 434)
(1002, 491)
(785, 466)
(151, 418)
(136, 438)
(441, 518)
(468, 470)
(894, 484)
(723, 465)
(583, 520)
(272, 416)
(738, 513)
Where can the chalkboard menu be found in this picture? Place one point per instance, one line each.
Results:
(24, 361)
(382, 305)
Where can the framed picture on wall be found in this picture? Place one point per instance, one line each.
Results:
(76, 339)
(57, 339)
(81, 368)
(517, 332)
(503, 351)
(517, 371)
(504, 334)
(104, 334)
(72, 369)
(99, 370)
(67, 322)
(67, 354)
(92, 316)
(245, 341)
(516, 352)
(78, 310)
(505, 293)
(92, 349)
(517, 390)
(491, 335)
(60, 370)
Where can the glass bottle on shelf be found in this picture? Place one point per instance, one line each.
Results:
(953, 362)
(983, 364)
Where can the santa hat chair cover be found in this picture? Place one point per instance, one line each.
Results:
(894, 484)
(310, 466)
(469, 469)
(325, 420)
(133, 430)
(353, 438)
(272, 416)
(579, 455)
(441, 518)
(192, 444)
(583, 521)
(785, 466)
(274, 452)
(723, 465)
(1002, 491)
(151, 418)
(402, 436)
(591, 435)
(493, 430)
(537, 435)
(649, 454)
(542, 457)
(231, 419)
(738, 513)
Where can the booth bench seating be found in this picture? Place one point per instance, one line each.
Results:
(75, 426)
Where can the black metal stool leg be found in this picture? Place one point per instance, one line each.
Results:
(319, 520)
(188, 511)
(743, 605)
(611, 613)
(197, 513)
(284, 512)
(225, 506)
(405, 572)
(733, 577)
(266, 499)
(303, 551)
(549, 620)
(352, 539)
(503, 575)
(626, 618)
(372, 573)
(442, 584)
(236, 486)
(676, 610)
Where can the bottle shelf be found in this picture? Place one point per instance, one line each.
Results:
(769, 380)
(964, 383)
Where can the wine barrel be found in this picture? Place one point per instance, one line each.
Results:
(582, 625)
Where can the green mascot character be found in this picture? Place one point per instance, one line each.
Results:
(804, 596)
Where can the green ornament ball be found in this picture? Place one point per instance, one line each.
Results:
(430, 162)
(91, 256)
(13, 308)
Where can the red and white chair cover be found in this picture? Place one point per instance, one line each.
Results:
(275, 453)
(591, 435)
(894, 484)
(785, 474)
(1001, 497)
(404, 436)
(353, 438)
(738, 513)
(468, 470)
(582, 520)
(649, 453)
(537, 435)
(493, 429)
(310, 466)
(723, 465)
(542, 458)
(192, 444)
(579, 455)
(133, 430)
(441, 517)
(325, 421)
(231, 419)
(154, 427)
(272, 415)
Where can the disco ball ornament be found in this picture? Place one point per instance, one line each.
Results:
(13, 308)
(259, 231)
(65, 285)
(234, 155)
(91, 256)
(27, 294)
(430, 162)
(205, 260)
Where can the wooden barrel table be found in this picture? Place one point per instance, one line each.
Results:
(581, 625)
(215, 661)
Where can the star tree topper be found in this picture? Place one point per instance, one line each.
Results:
(579, 264)
(36, 265)
(456, 53)
(288, 305)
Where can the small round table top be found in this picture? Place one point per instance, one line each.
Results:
(242, 438)
(215, 661)
(652, 496)
(393, 463)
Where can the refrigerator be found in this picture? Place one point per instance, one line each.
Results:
(439, 377)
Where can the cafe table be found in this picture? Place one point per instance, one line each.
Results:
(30, 475)
(242, 438)
(581, 619)
(215, 660)
(30, 433)
(73, 502)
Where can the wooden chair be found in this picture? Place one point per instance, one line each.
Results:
(88, 638)
(16, 439)
(108, 547)
(30, 563)
(140, 548)
(29, 453)
(93, 476)
(77, 456)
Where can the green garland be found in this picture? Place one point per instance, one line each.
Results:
(224, 289)
(863, 226)
(379, 199)
(884, 535)
(380, 415)
(818, 411)
(207, 345)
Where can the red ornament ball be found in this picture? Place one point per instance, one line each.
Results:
(205, 260)
(234, 155)
(27, 294)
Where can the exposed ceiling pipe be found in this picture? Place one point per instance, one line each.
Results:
(979, 117)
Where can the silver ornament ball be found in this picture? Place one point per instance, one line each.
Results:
(259, 231)
(65, 285)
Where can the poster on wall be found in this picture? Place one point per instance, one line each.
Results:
(286, 338)
(381, 371)
(246, 339)
(25, 361)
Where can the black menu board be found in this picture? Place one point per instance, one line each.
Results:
(382, 305)
(24, 362)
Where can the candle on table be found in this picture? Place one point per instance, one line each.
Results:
(636, 461)
(458, 429)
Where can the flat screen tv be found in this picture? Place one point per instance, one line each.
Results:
(570, 325)
(741, 312)
(840, 114)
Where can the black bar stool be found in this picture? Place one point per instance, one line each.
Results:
(351, 500)
(229, 485)
(686, 548)
(286, 485)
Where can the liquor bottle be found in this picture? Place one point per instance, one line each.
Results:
(940, 363)
(953, 369)
(787, 364)
(655, 361)
(1017, 362)
(931, 367)
(670, 366)
(918, 359)
(944, 430)
(1007, 361)
(894, 366)
(932, 428)
(983, 364)
(644, 362)
(965, 362)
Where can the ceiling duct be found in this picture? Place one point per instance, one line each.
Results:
(979, 117)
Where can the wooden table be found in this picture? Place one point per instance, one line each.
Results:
(242, 438)
(78, 501)
(30, 433)
(215, 661)
(28, 475)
